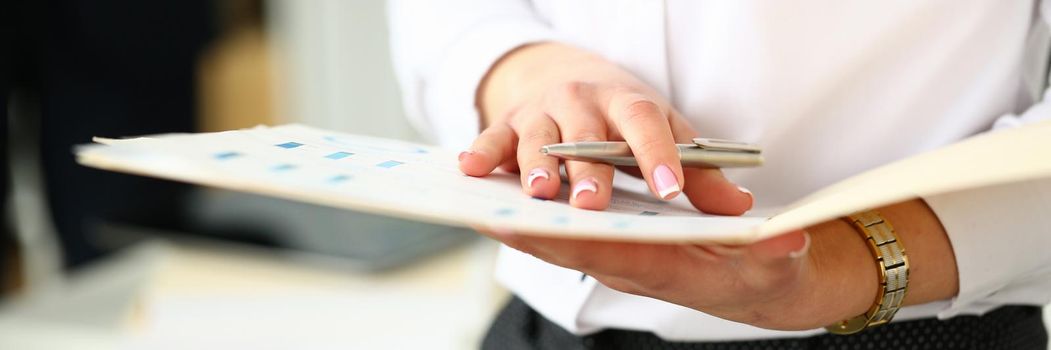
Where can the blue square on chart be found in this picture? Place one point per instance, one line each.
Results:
(389, 164)
(283, 167)
(339, 155)
(226, 155)
(289, 145)
(339, 178)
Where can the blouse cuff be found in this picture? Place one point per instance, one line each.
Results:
(999, 236)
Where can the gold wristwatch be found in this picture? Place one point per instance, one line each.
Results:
(893, 268)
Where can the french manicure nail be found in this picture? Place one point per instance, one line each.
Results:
(802, 251)
(585, 185)
(536, 174)
(464, 154)
(666, 182)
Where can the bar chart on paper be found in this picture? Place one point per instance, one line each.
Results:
(396, 178)
(420, 182)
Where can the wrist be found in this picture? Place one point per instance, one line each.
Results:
(845, 277)
(932, 264)
(838, 281)
(849, 273)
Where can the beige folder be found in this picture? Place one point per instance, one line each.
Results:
(423, 183)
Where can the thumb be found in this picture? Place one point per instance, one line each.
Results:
(777, 260)
(791, 245)
(708, 190)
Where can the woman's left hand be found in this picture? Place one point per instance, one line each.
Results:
(798, 280)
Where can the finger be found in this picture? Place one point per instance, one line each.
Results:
(623, 285)
(703, 252)
(635, 261)
(493, 147)
(775, 261)
(708, 190)
(725, 250)
(591, 184)
(539, 172)
(630, 170)
(644, 126)
(505, 236)
(790, 245)
(579, 120)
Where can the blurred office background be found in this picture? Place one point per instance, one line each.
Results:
(100, 260)
(95, 260)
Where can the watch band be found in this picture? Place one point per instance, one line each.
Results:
(893, 268)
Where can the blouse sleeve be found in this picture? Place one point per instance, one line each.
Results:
(1001, 234)
(442, 50)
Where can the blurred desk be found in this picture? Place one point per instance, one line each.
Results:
(202, 295)
(205, 296)
(194, 295)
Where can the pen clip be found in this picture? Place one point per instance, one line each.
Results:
(726, 145)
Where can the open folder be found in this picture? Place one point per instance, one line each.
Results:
(421, 182)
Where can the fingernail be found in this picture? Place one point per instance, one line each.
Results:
(464, 154)
(585, 185)
(666, 182)
(536, 174)
(744, 190)
(801, 251)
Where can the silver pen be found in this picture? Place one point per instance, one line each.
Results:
(702, 153)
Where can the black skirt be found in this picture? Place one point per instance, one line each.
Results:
(518, 326)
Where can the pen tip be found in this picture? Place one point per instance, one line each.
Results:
(543, 150)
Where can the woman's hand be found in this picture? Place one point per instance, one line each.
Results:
(799, 280)
(550, 93)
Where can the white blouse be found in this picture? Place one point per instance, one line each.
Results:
(828, 88)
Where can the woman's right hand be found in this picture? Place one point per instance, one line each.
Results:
(550, 93)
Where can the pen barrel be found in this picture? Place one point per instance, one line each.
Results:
(619, 153)
(695, 158)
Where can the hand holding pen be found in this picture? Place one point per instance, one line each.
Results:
(593, 100)
(545, 94)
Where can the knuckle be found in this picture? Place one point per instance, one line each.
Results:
(540, 135)
(572, 90)
(650, 146)
(642, 110)
(585, 136)
(622, 89)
